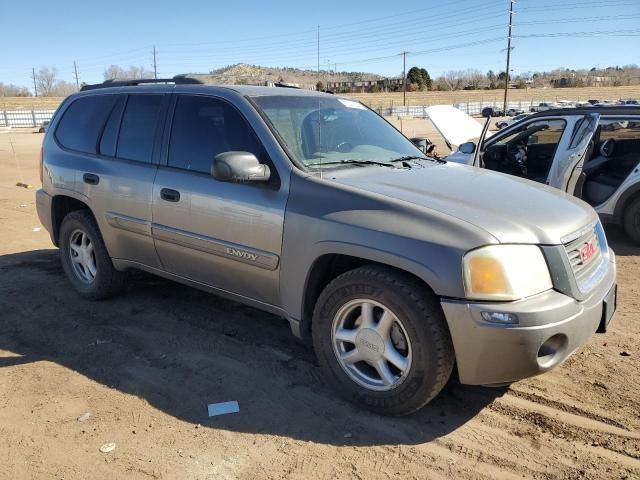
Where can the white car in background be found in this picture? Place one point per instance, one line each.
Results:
(542, 107)
(592, 153)
(500, 124)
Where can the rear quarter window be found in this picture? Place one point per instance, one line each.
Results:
(82, 123)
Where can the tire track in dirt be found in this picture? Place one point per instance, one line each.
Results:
(565, 407)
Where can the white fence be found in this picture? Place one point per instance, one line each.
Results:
(471, 108)
(24, 118)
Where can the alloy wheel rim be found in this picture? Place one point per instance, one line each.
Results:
(82, 256)
(371, 345)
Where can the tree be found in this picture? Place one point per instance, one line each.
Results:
(319, 86)
(116, 72)
(474, 78)
(62, 88)
(46, 79)
(413, 75)
(419, 77)
(11, 90)
(426, 78)
(50, 86)
(454, 79)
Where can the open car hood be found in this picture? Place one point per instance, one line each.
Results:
(454, 125)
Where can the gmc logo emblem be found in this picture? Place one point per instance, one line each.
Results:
(587, 251)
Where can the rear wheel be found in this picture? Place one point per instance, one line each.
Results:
(382, 340)
(85, 258)
(631, 220)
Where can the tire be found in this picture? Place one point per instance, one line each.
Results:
(105, 280)
(418, 333)
(631, 220)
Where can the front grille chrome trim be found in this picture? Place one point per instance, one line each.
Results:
(587, 274)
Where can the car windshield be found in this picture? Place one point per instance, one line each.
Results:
(334, 132)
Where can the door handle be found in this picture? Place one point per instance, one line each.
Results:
(170, 195)
(91, 178)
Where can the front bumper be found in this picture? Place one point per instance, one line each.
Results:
(551, 327)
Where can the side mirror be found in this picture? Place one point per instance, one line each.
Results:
(487, 112)
(468, 148)
(239, 167)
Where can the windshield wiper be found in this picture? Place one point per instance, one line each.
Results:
(408, 157)
(352, 162)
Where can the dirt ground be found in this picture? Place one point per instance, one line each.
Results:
(147, 363)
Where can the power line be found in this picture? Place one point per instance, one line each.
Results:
(596, 33)
(574, 6)
(366, 45)
(361, 40)
(331, 27)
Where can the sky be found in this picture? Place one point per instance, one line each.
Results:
(356, 35)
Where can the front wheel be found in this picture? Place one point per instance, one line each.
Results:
(631, 220)
(382, 340)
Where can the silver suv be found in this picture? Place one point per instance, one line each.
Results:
(313, 207)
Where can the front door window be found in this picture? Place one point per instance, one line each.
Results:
(527, 152)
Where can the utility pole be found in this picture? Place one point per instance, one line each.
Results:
(155, 65)
(328, 75)
(318, 72)
(506, 82)
(404, 79)
(75, 72)
(35, 86)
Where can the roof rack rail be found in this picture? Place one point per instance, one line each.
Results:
(178, 80)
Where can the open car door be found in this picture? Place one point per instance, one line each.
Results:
(566, 171)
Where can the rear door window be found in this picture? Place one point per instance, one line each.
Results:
(83, 121)
(138, 127)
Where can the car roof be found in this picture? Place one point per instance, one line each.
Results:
(248, 90)
(612, 110)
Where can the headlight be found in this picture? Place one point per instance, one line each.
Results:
(505, 272)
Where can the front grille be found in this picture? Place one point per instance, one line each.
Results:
(585, 271)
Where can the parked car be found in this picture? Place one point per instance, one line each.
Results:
(312, 207)
(592, 153)
(512, 112)
(44, 126)
(500, 124)
(542, 107)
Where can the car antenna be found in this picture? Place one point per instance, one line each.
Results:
(487, 113)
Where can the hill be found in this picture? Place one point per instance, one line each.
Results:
(241, 73)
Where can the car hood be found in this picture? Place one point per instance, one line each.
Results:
(455, 126)
(512, 210)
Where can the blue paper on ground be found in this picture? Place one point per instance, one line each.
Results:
(223, 408)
